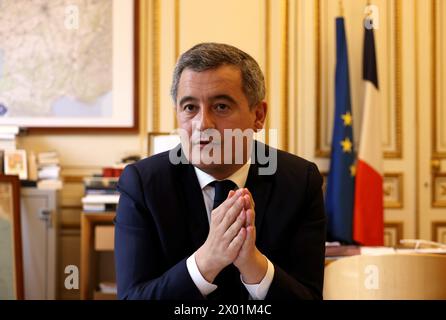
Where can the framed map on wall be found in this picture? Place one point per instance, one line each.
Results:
(68, 64)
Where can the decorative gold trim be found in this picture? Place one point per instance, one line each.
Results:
(397, 153)
(295, 55)
(435, 152)
(434, 227)
(156, 17)
(319, 152)
(285, 64)
(398, 226)
(417, 110)
(400, 203)
(176, 45)
(177, 29)
(434, 202)
(267, 68)
(144, 18)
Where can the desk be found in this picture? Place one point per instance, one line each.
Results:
(89, 222)
(392, 276)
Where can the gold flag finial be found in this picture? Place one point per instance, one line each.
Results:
(341, 8)
(369, 13)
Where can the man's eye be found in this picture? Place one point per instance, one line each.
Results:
(189, 108)
(222, 107)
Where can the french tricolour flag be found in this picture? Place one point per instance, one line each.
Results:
(368, 222)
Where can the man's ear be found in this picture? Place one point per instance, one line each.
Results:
(260, 112)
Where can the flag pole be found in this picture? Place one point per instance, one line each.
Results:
(341, 8)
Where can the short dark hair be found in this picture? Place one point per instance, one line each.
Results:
(210, 55)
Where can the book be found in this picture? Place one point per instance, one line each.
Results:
(100, 198)
(108, 287)
(101, 182)
(89, 190)
(48, 161)
(7, 136)
(47, 155)
(9, 129)
(32, 167)
(51, 172)
(99, 207)
(49, 184)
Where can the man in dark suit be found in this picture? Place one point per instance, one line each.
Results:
(203, 221)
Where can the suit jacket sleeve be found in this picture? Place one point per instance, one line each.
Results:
(139, 258)
(301, 277)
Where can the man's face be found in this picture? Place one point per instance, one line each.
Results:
(209, 102)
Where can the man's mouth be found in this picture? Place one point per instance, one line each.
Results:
(204, 142)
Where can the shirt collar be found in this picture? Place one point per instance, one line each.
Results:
(239, 177)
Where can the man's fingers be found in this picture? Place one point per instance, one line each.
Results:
(251, 235)
(249, 201)
(250, 217)
(246, 202)
(238, 241)
(230, 200)
(225, 206)
(235, 227)
(232, 213)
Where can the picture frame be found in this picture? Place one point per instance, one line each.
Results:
(11, 260)
(393, 190)
(15, 163)
(100, 83)
(161, 141)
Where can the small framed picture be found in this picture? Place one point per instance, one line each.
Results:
(15, 163)
(162, 141)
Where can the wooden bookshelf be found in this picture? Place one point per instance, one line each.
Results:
(90, 247)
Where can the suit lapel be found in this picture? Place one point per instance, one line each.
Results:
(260, 188)
(195, 208)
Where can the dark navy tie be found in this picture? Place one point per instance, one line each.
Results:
(228, 280)
(222, 189)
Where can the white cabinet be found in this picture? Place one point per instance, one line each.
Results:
(39, 233)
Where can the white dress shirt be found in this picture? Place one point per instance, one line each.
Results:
(256, 291)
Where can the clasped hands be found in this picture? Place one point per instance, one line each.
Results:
(231, 239)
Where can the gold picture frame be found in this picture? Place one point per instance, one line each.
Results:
(112, 106)
(393, 185)
(11, 260)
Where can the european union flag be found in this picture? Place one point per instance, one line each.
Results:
(340, 184)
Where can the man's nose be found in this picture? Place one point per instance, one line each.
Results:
(206, 121)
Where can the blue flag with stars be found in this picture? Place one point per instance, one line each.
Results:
(340, 184)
